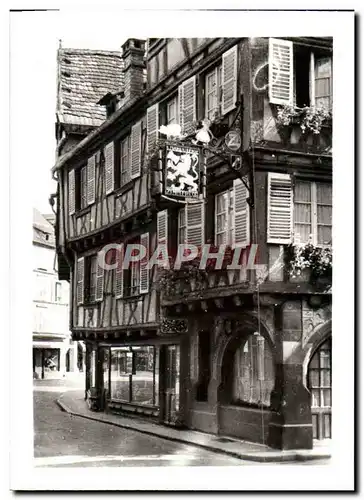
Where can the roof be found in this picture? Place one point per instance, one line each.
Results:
(43, 231)
(84, 77)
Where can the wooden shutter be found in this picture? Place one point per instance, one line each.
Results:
(195, 223)
(144, 271)
(241, 214)
(152, 126)
(187, 104)
(136, 137)
(280, 209)
(119, 275)
(99, 280)
(109, 168)
(229, 79)
(71, 192)
(280, 72)
(91, 173)
(162, 227)
(80, 280)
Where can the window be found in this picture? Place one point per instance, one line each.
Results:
(224, 219)
(253, 372)
(135, 375)
(320, 385)
(313, 212)
(90, 280)
(172, 111)
(299, 76)
(182, 226)
(312, 79)
(58, 292)
(124, 161)
(323, 82)
(213, 92)
(132, 277)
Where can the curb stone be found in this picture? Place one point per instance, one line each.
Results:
(289, 457)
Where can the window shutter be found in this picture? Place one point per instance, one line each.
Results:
(152, 126)
(136, 136)
(195, 223)
(91, 173)
(187, 104)
(280, 72)
(119, 275)
(144, 271)
(241, 214)
(280, 209)
(99, 281)
(229, 79)
(162, 227)
(80, 280)
(71, 192)
(109, 168)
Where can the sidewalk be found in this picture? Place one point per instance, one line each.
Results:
(74, 403)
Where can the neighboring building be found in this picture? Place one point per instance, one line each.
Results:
(54, 353)
(229, 352)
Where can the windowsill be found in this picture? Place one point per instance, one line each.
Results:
(83, 211)
(90, 303)
(248, 406)
(125, 187)
(132, 297)
(133, 405)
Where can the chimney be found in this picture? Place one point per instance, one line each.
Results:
(133, 55)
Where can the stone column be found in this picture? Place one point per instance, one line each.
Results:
(291, 424)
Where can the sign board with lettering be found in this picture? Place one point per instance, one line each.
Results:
(182, 171)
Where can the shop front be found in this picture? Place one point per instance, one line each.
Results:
(136, 378)
(47, 361)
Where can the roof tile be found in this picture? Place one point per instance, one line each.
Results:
(85, 76)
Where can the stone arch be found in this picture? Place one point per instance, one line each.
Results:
(248, 324)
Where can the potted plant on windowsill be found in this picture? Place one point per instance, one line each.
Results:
(311, 261)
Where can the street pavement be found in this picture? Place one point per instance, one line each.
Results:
(63, 440)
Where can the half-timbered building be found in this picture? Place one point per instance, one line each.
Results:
(238, 352)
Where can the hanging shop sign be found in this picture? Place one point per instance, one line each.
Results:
(182, 171)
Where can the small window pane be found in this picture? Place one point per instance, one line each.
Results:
(327, 426)
(314, 378)
(324, 193)
(302, 213)
(302, 191)
(326, 394)
(315, 426)
(325, 378)
(322, 87)
(315, 397)
(325, 359)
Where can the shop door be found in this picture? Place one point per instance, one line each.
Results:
(319, 383)
(171, 383)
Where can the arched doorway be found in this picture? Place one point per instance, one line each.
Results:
(319, 382)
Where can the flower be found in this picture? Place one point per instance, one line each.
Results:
(308, 256)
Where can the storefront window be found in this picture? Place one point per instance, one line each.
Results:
(253, 372)
(135, 374)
